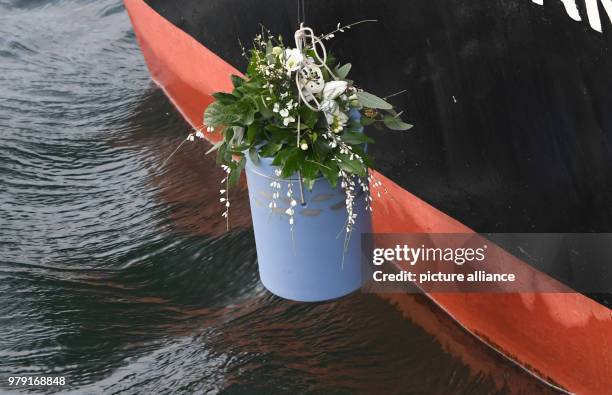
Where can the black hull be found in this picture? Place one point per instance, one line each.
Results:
(512, 102)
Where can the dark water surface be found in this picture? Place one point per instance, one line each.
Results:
(116, 273)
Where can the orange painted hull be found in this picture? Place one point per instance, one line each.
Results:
(565, 338)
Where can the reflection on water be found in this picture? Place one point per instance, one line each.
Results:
(118, 274)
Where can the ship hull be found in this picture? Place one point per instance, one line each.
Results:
(562, 338)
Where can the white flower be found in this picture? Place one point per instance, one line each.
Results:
(334, 116)
(293, 59)
(288, 120)
(341, 117)
(277, 51)
(311, 79)
(329, 107)
(304, 146)
(284, 113)
(336, 119)
(276, 108)
(333, 89)
(307, 96)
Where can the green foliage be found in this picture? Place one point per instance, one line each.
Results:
(395, 123)
(372, 101)
(237, 168)
(260, 118)
(237, 81)
(342, 72)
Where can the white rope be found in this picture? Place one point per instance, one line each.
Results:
(305, 38)
(302, 37)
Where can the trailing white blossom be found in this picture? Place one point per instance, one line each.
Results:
(276, 187)
(224, 199)
(292, 203)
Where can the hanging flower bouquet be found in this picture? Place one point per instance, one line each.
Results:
(298, 113)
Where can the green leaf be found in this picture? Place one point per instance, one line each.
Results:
(252, 67)
(343, 71)
(309, 182)
(281, 156)
(279, 134)
(217, 114)
(294, 162)
(321, 150)
(253, 155)
(224, 98)
(237, 81)
(223, 155)
(215, 147)
(357, 149)
(308, 117)
(356, 138)
(228, 135)
(372, 101)
(395, 123)
(270, 149)
(330, 172)
(352, 166)
(310, 169)
(249, 117)
(253, 131)
(237, 168)
(331, 59)
(245, 109)
(265, 112)
(237, 137)
(249, 88)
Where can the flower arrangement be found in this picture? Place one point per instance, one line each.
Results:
(297, 107)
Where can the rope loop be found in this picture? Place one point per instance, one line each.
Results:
(306, 39)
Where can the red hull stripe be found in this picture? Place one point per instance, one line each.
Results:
(564, 337)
